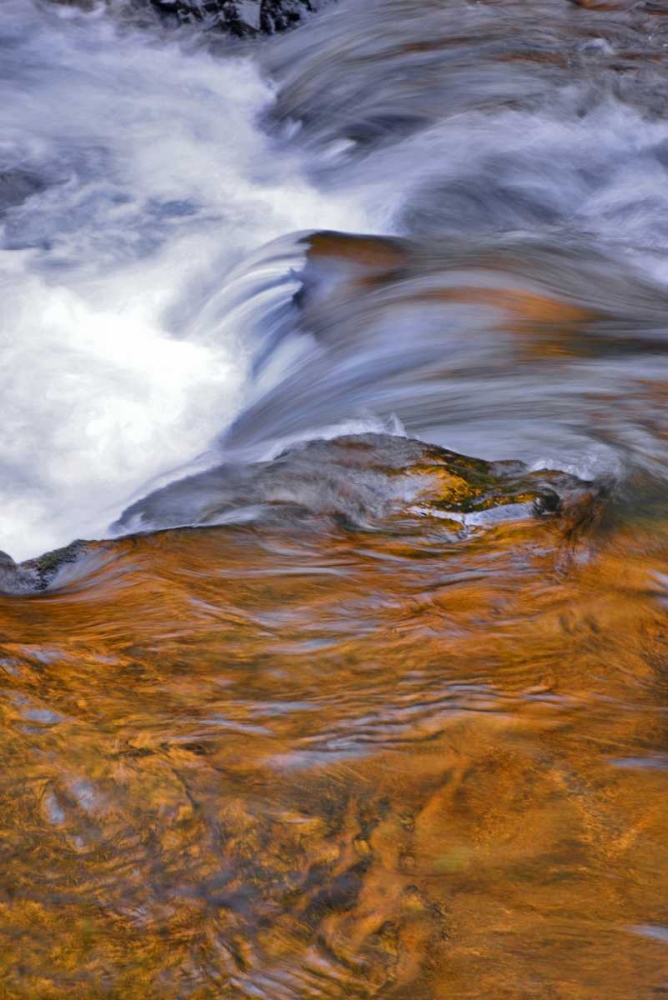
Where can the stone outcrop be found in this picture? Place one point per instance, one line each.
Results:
(240, 18)
(237, 17)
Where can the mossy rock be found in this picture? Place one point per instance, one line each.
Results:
(44, 568)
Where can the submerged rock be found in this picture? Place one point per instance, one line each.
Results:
(359, 480)
(376, 483)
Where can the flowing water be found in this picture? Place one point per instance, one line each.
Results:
(323, 708)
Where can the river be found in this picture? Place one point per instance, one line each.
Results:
(345, 353)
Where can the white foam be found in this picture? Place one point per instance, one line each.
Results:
(161, 180)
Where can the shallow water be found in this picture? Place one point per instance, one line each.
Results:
(323, 710)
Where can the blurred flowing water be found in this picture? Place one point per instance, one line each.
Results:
(323, 708)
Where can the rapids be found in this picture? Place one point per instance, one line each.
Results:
(344, 356)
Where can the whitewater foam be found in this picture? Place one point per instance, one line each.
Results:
(155, 179)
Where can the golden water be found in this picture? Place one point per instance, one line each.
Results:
(352, 765)
(347, 749)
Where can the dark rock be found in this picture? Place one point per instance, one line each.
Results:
(242, 18)
(360, 481)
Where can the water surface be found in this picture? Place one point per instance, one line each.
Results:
(322, 710)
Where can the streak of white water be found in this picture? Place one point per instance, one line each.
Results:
(150, 180)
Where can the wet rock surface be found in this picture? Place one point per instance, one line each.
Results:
(240, 18)
(36, 575)
(361, 480)
(16, 579)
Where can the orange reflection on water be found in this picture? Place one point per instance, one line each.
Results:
(355, 765)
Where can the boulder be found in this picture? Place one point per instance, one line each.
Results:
(243, 18)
